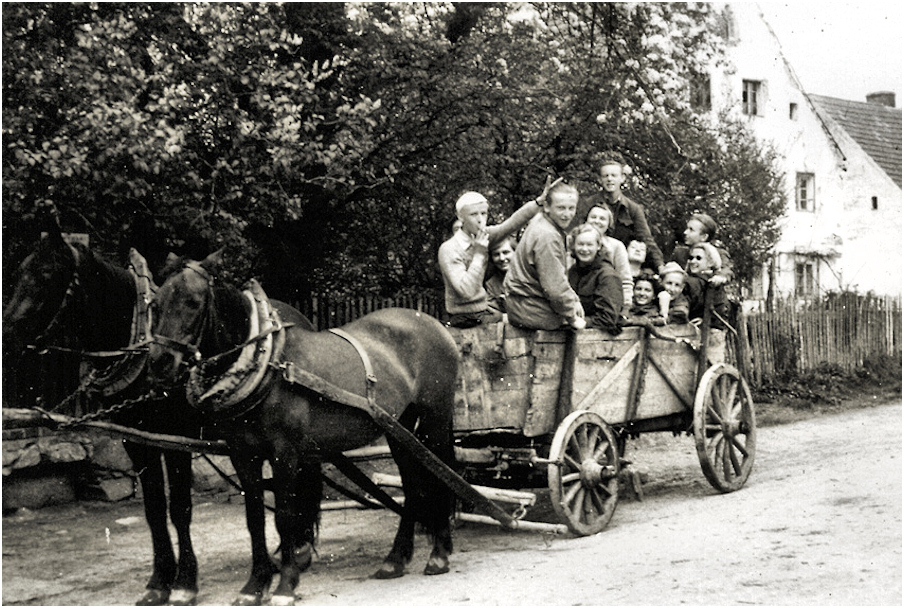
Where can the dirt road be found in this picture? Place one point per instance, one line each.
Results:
(819, 523)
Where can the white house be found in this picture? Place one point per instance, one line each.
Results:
(842, 164)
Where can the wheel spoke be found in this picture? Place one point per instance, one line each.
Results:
(713, 443)
(588, 507)
(741, 448)
(573, 465)
(726, 461)
(710, 410)
(570, 478)
(598, 501)
(573, 490)
(722, 392)
(577, 502)
(734, 460)
(593, 437)
(599, 454)
(732, 394)
(603, 488)
(583, 441)
(717, 404)
(575, 448)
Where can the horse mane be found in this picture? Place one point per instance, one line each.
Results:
(109, 299)
(229, 322)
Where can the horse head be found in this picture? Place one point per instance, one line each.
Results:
(46, 283)
(183, 307)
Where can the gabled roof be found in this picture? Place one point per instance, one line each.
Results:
(876, 128)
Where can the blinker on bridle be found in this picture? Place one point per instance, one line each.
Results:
(186, 348)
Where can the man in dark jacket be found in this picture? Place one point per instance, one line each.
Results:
(630, 219)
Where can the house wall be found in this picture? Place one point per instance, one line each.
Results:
(871, 252)
(839, 237)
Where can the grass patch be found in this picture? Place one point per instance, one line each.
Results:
(829, 389)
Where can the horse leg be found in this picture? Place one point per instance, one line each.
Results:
(179, 474)
(249, 471)
(400, 555)
(299, 489)
(146, 461)
(431, 501)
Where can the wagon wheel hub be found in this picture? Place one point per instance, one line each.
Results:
(593, 473)
(731, 427)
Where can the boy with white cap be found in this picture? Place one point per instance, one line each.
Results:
(463, 258)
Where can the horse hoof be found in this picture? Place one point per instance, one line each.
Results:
(247, 599)
(154, 597)
(282, 600)
(389, 570)
(304, 557)
(183, 597)
(436, 565)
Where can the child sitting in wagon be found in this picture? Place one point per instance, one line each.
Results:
(703, 263)
(674, 305)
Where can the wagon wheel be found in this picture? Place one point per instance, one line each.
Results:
(583, 482)
(724, 427)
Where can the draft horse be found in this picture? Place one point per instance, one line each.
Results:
(67, 295)
(203, 323)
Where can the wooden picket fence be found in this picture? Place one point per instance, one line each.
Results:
(792, 338)
(325, 313)
(842, 331)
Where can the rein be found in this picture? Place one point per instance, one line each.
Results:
(70, 294)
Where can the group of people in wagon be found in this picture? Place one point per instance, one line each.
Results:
(605, 273)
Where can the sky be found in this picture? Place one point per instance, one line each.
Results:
(841, 49)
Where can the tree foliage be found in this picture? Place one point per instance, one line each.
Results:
(324, 144)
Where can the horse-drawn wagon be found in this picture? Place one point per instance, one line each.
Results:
(495, 405)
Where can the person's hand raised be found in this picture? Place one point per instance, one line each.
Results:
(549, 186)
(481, 242)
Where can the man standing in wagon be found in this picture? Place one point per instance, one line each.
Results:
(463, 258)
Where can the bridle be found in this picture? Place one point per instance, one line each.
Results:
(68, 298)
(191, 351)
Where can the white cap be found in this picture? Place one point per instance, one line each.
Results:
(469, 198)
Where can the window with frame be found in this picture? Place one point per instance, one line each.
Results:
(750, 97)
(805, 279)
(805, 192)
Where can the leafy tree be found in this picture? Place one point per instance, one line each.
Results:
(325, 143)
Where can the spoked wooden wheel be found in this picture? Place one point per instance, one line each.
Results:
(724, 427)
(583, 479)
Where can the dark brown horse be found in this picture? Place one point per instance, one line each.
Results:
(415, 363)
(68, 296)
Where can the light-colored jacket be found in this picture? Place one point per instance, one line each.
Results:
(464, 269)
(539, 279)
(616, 253)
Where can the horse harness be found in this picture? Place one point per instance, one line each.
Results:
(295, 375)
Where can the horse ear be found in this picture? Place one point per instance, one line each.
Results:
(173, 262)
(49, 221)
(214, 260)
